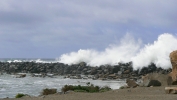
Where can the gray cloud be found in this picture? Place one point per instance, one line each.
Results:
(65, 25)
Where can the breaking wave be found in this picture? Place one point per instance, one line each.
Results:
(128, 49)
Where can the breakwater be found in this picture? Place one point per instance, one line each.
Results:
(119, 71)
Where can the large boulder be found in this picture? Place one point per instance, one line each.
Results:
(172, 78)
(153, 79)
(131, 83)
(154, 83)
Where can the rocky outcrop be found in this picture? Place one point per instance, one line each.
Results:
(153, 83)
(20, 75)
(119, 71)
(131, 83)
(172, 78)
(154, 79)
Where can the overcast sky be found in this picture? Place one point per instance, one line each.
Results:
(50, 28)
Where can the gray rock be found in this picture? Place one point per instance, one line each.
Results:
(131, 83)
(154, 83)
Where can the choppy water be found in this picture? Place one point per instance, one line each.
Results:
(37, 60)
(10, 86)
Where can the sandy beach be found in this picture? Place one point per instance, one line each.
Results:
(139, 93)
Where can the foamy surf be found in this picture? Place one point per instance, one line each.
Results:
(10, 86)
(128, 49)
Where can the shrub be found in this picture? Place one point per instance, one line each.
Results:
(67, 88)
(49, 91)
(89, 88)
(122, 87)
(88, 83)
(19, 95)
(105, 88)
(80, 91)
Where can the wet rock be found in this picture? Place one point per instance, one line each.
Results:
(93, 71)
(122, 70)
(20, 75)
(112, 76)
(126, 72)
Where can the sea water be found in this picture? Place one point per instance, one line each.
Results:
(10, 86)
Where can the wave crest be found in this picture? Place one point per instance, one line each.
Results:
(127, 50)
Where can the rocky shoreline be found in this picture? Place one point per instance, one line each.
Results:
(119, 71)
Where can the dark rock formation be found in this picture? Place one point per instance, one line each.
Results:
(154, 79)
(153, 83)
(119, 71)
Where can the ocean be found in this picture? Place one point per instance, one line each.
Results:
(10, 86)
(37, 60)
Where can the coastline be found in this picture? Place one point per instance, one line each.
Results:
(33, 86)
(105, 72)
(139, 93)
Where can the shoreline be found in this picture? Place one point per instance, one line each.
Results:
(108, 72)
(34, 85)
(139, 93)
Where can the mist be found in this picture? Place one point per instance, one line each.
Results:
(126, 50)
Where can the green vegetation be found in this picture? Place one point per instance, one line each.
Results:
(122, 87)
(89, 88)
(104, 89)
(49, 91)
(19, 95)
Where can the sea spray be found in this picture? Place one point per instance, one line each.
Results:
(114, 53)
(128, 49)
(157, 53)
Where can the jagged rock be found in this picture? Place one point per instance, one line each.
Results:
(150, 80)
(131, 83)
(112, 76)
(85, 69)
(153, 83)
(82, 64)
(93, 72)
(20, 75)
(122, 70)
(126, 72)
(172, 79)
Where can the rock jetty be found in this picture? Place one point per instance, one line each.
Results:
(119, 71)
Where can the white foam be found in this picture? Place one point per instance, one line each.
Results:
(158, 52)
(127, 50)
(10, 86)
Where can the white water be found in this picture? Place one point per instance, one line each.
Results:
(127, 50)
(36, 60)
(10, 86)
